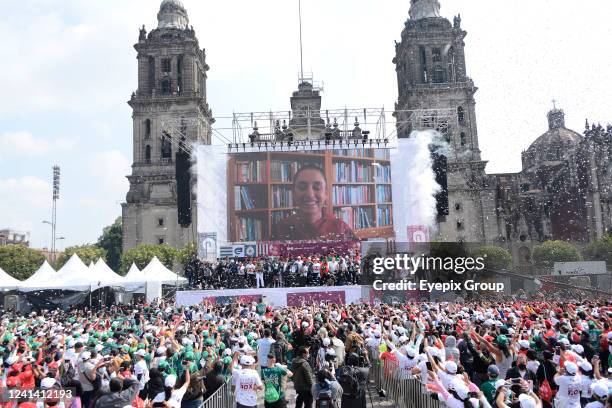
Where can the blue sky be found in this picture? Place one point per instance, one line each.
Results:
(69, 67)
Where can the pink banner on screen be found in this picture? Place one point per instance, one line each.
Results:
(299, 299)
(306, 248)
(226, 300)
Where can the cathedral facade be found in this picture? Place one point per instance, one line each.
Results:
(563, 191)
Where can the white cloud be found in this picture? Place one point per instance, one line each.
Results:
(111, 167)
(22, 143)
(29, 190)
(24, 203)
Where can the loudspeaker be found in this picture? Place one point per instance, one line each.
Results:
(183, 187)
(440, 168)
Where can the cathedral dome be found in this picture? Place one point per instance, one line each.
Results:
(172, 14)
(553, 144)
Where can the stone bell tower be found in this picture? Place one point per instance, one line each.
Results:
(171, 89)
(431, 74)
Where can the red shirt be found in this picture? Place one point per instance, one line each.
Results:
(327, 228)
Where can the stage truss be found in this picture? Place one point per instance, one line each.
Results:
(307, 129)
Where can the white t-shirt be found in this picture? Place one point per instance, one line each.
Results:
(263, 348)
(175, 398)
(246, 382)
(316, 268)
(406, 364)
(140, 368)
(569, 389)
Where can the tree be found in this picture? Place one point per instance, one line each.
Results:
(87, 253)
(20, 261)
(142, 254)
(600, 250)
(495, 258)
(188, 253)
(546, 254)
(111, 241)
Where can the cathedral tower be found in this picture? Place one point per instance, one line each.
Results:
(431, 74)
(171, 95)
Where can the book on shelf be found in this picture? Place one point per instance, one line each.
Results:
(383, 215)
(251, 172)
(351, 195)
(352, 172)
(243, 198)
(282, 170)
(383, 194)
(282, 197)
(249, 229)
(383, 173)
(355, 217)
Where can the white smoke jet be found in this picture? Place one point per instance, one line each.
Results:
(414, 182)
(211, 170)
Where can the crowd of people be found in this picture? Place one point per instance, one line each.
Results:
(274, 271)
(486, 354)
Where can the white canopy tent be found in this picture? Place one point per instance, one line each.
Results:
(155, 271)
(74, 275)
(7, 282)
(45, 275)
(105, 275)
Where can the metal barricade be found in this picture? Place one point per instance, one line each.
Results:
(222, 398)
(401, 387)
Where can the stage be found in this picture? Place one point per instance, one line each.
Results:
(278, 297)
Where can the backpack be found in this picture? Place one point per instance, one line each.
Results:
(324, 398)
(271, 394)
(349, 380)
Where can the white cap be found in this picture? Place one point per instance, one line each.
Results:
(160, 350)
(499, 383)
(570, 367)
(577, 348)
(524, 344)
(410, 351)
(326, 341)
(86, 355)
(170, 381)
(460, 388)
(99, 347)
(403, 339)
(451, 367)
(141, 353)
(47, 382)
(527, 401)
(247, 360)
(585, 366)
(600, 390)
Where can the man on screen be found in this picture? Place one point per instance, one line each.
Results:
(311, 222)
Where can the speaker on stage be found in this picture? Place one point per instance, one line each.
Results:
(440, 168)
(183, 187)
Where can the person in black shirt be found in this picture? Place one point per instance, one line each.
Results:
(213, 380)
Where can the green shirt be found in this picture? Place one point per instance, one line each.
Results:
(272, 377)
(488, 389)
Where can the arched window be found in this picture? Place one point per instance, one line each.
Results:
(151, 74)
(463, 140)
(147, 154)
(166, 149)
(166, 89)
(461, 115)
(147, 128)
